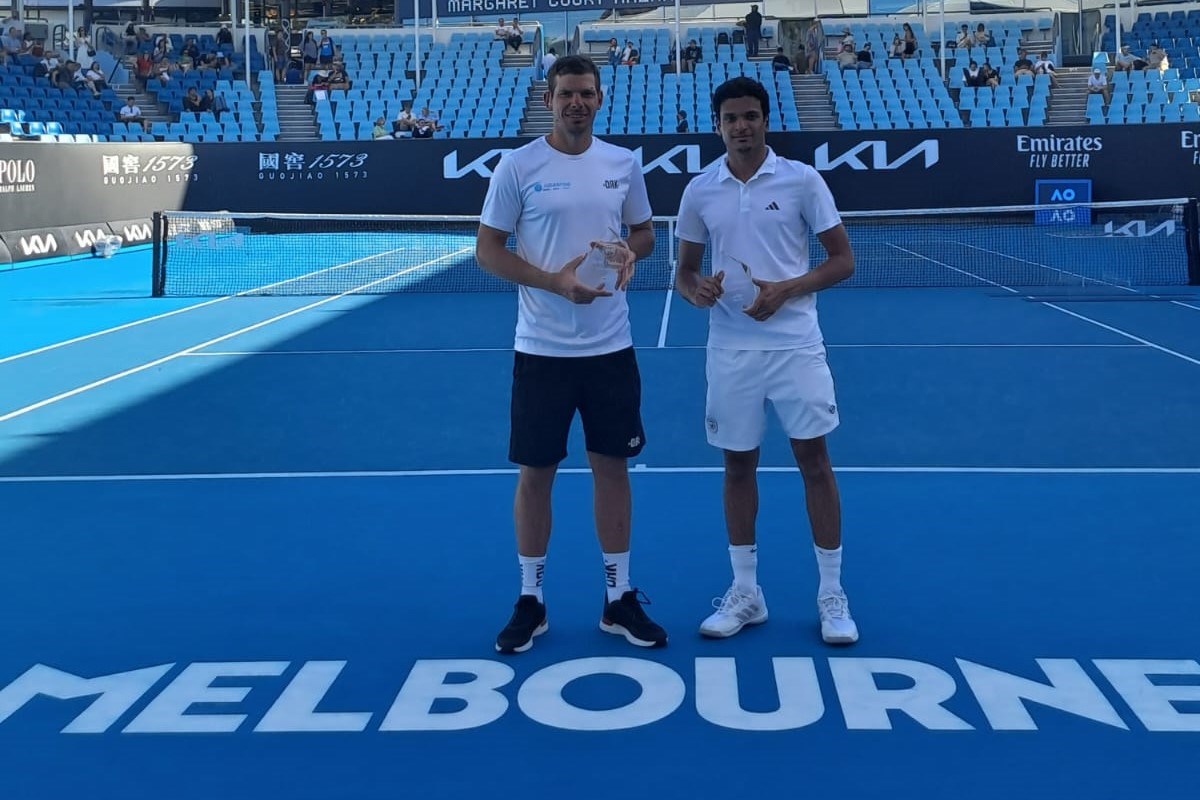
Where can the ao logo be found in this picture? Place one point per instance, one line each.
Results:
(136, 233)
(89, 238)
(38, 245)
(1062, 196)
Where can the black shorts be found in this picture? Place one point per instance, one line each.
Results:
(547, 391)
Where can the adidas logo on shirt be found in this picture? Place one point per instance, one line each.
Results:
(773, 207)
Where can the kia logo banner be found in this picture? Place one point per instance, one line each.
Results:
(65, 187)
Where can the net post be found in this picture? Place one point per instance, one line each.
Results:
(1191, 227)
(158, 275)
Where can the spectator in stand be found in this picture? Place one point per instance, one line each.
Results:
(191, 49)
(516, 36)
(47, 66)
(847, 38)
(131, 38)
(14, 21)
(614, 53)
(847, 59)
(990, 76)
(910, 41)
(130, 111)
(12, 43)
(161, 51)
(814, 46)
(84, 50)
(380, 132)
(982, 37)
(1156, 59)
(1127, 61)
(295, 76)
(167, 72)
(215, 103)
(430, 118)
(548, 61)
(897, 49)
(308, 53)
(753, 28)
(690, 56)
(145, 68)
(1022, 66)
(338, 78)
(1044, 66)
(1098, 84)
(405, 121)
(627, 53)
(964, 40)
(424, 127)
(681, 121)
(866, 59)
(973, 75)
(318, 86)
(225, 37)
(281, 50)
(95, 77)
(191, 101)
(501, 31)
(326, 49)
(781, 63)
(64, 76)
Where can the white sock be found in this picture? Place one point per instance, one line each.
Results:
(616, 574)
(829, 565)
(532, 569)
(744, 558)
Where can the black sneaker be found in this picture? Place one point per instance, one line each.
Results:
(528, 620)
(625, 617)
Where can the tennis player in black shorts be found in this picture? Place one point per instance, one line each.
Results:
(566, 196)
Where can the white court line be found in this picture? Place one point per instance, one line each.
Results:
(457, 350)
(214, 301)
(666, 315)
(639, 469)
(187, 351)
(1097, 323)
(1077, 275)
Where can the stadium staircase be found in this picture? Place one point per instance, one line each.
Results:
(297, 119)
(511, 60)
(151, 110)
(1068, 101)
(537, 120)
(814, 106)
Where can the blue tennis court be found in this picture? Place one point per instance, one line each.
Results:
(261, 546)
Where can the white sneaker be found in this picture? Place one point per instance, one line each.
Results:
(735, 611)
(837, 627)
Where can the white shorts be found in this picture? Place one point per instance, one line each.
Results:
(797, 383)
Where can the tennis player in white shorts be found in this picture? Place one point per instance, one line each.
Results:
(764, 343)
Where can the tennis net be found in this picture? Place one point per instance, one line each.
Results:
(1098, 244)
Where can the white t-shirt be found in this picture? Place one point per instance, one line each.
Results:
(1097, 81)
(548, 62)
(129, 112)
(557, 204)
(763, 223)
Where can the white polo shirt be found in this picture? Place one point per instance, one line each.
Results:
(763, 223)
(557, 204)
